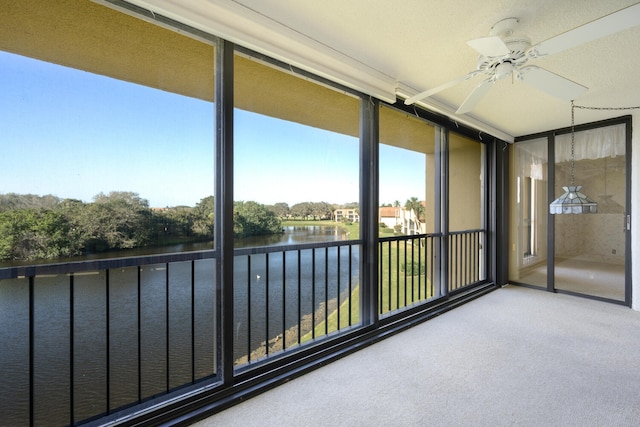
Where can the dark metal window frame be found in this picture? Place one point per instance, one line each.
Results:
(492, 193)
(237, 385)
(227, 387)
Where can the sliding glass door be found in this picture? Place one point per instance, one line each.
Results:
(584, 254)
(589, 249)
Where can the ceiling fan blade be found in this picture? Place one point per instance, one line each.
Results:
(551, 83)
(475, 96)
(433, 91)
(609, 24)
(489, 47)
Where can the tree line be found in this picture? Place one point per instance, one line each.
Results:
(308, 210)
(47, 227)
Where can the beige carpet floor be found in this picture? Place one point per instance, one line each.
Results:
(585, 277)
(514, 357)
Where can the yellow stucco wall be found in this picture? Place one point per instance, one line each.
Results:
(466, 187)
(91, 37)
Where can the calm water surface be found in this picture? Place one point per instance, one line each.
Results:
(163, 302)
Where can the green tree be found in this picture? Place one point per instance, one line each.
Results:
(281, 209)
(13, 201)
(119, 220)
(73, 210)
(301, 210)
(203, 217)
(321, 210)
(12, 227)
(254, 219)
(30, 234)
(417, 207)
(172, 224)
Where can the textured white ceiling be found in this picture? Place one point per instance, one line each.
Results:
(422, 43)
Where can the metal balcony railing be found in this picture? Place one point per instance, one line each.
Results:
(82, 340)
(465, 258)
(409, 267)
(407, 271)
(286, 296)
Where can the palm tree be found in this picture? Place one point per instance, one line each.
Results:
(413, 204)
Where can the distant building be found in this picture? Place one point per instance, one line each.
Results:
(344, 214)
(389, 216)
(407, 219)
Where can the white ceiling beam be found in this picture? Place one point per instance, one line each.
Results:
(405, 91)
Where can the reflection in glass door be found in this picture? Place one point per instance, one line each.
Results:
(590, 248)
(583, 254)
(528, 225)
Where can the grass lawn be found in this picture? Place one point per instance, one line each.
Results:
(403, 282)
(331, 325)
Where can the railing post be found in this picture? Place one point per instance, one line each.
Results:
(31, 350)
(107, 340)
(71, 350)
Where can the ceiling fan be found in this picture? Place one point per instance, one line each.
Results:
(503, 54)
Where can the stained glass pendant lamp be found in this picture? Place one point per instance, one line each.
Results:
(573, 201)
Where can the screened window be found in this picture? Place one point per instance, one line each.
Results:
(467, 198)
(296, 203)
(108, 138)
(107, 155)
(407, 165)
(409, 247)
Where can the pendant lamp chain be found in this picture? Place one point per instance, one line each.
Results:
(573, 108)
(573, 201)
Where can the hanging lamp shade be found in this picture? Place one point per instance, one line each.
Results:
(573, 202)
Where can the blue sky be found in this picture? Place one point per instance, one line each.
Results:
(74, 134)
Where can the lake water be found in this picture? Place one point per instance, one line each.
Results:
(295, 235)
(264, 288)
(292, 235)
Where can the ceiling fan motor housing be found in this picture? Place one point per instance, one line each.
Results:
(503, 70)
(502, 66)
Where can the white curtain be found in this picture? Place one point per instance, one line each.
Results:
(530, 156)
(592, 144)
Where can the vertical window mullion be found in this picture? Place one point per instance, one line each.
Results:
(369, 183)
(223, 232)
